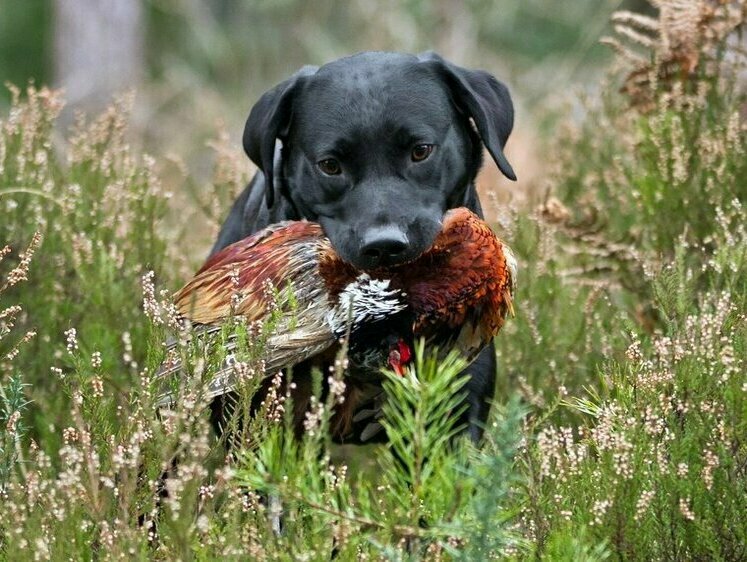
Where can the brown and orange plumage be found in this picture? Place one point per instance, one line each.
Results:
(455, 295)
(461, 289)
(280, 253)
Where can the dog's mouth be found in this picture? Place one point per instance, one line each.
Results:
(379, 249)
(379, 267)
(430, 255)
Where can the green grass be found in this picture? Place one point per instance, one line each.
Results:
(619, 424)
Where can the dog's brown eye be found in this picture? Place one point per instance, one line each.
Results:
(330, 166)
(421, 152)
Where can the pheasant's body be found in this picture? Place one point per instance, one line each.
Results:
(456, 295)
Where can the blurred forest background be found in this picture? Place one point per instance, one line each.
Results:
(197, 66)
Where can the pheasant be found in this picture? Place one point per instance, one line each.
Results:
(455, 295)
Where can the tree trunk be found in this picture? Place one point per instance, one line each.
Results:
(98, 49)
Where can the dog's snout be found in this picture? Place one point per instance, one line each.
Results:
(384, 246)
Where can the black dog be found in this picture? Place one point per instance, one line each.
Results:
(376, 147)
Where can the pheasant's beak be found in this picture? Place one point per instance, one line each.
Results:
(399, 357)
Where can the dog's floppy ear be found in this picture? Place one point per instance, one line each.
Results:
(485, 100)
(269, 120)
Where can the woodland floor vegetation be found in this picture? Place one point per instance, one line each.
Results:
(619, 429)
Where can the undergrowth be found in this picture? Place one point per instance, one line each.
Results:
(618, 429)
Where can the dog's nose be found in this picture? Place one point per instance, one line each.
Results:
(384, 246)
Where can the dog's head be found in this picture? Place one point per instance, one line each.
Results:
(377, 146)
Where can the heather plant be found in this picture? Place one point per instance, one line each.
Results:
(644, 459)
(672, 165)
(567, 324)
(13, 401)
(276, 498)
(426, 501)
(95, 204)
(656, 467)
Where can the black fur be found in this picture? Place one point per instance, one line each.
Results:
(368, 112)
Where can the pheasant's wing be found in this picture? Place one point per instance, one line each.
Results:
(311, 329)
(242, 279)
(280, 350)
(272, 274)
